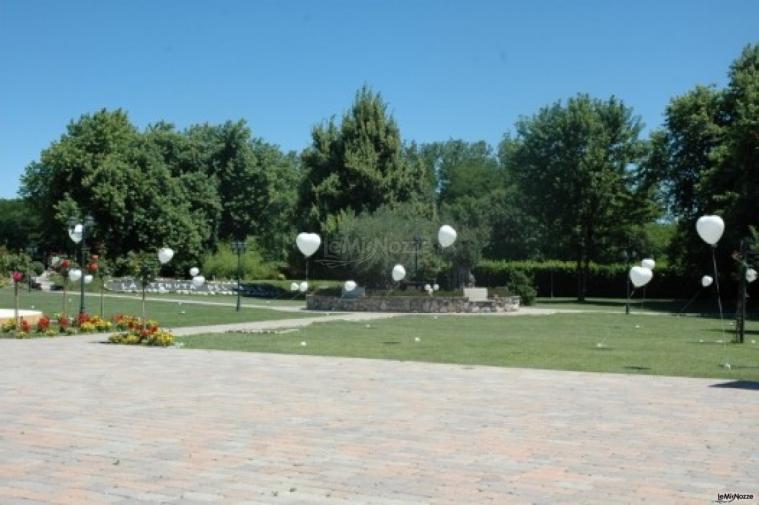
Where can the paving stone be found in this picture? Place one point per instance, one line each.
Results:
(87, 423)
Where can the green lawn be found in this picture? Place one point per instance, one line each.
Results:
(661, 345)
(168, 314)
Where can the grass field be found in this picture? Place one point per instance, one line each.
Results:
(168, 314)
(701, 305)
(639, 344)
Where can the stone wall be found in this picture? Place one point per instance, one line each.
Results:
(423, 304)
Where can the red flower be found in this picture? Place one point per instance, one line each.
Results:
(17, 276)
(25, 326)
(93, 267)
(43, 324)
(65, 264)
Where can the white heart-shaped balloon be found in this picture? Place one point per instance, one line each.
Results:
(194, 271)
(349, 285)
(648, 263)
(436, 287)
(399, 273)
(293, 286)
(75, 274)
(308, 243)
(303, 287)
(446, 235)
(706, 281)
(88, 278)
(165, 254)
(640, 276)
(710, 229)
(198, 281)
(428, 288)
(751, 275)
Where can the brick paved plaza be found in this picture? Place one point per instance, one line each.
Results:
(88, 423)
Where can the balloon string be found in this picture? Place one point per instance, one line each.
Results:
(719, 303)
(680, 312)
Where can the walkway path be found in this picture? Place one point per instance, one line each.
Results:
(87, 423)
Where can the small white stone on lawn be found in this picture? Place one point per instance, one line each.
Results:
(727, 365)
(637, 326)
(700, 340)
(434, 317)
(303, 344)
(719, 341)
(32, 307)
(599, 344)
(368, 325)
(753, 341)
(417, 339)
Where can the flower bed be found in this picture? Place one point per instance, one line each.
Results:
(136, 333)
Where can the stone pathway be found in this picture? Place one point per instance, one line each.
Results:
(281, 323)
(88, 423)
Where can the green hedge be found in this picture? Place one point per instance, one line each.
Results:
(560, 279)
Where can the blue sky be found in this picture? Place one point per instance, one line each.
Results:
(448, 69)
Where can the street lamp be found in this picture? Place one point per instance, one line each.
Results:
(78, 233)
(30, 251)
(628, 255)
(417, 245)
(239, 248)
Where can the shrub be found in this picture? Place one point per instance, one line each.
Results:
(223, 264)
(522, 285)
(559, 278)
(365, 247)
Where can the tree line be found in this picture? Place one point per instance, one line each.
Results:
(574, 181)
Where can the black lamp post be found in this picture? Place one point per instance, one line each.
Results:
(628, 255)
(30, 250)
(239, 248)
(80, 237)
(417, 245)
(743, 256)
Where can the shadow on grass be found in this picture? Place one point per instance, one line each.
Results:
(739, 384)
(637, 368)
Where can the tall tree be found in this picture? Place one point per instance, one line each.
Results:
(575, 165)
(256, 181)
(707, 159)
(733, 182)
(18, 225)
(358, 165)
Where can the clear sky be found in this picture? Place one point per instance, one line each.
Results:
(464, 69)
